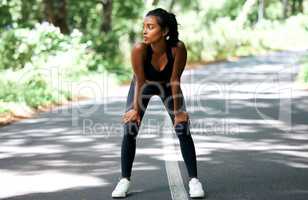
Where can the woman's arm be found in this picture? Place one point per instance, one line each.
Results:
(137, 60)
(178, 68)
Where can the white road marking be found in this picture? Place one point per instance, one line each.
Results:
(175, 179)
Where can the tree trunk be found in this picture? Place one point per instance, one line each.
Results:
(106, 25)
(155, 2)
(285, 8)
(55, 12)
(172, 3)
(261, 10)
(293, 10)
(301, 6)
(242, 17)
(298, 7)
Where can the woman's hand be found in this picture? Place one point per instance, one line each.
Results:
(130, 116)
(180, 117)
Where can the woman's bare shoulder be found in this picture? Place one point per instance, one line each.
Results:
(180, 46)
(139, 49)
(139, 46)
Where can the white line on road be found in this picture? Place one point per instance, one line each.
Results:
(175, 179)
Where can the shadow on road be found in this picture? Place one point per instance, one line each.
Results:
(251, 140)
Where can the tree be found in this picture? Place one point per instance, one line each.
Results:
(55, 12)
(285, 8)
(171, 5)
(297, 6)
(293, 8)
(106, 25)
(241, 18)
(155, 2)
(261, 10)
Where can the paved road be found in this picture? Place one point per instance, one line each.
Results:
(248, 122)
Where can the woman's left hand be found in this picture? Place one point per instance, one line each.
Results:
(180, 117)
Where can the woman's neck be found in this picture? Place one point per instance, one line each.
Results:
(159, 47)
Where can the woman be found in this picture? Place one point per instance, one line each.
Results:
(158, 63)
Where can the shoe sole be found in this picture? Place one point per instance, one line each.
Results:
(200, 195)
(119, 196)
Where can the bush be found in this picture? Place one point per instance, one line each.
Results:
(290, 34)
(4, 111)
(223, 39)
(34, 62)
(73, 55)
(22, 45)
(10, 91)
(303, 73)
(30, 88)
(39, 92)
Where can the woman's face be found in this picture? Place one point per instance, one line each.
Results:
(152, 32)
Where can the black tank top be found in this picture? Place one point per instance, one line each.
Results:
(153, 74)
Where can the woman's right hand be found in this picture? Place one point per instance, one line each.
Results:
(131, 116)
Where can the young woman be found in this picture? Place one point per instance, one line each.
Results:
(158, 63)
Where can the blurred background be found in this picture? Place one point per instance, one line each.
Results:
(49, 47)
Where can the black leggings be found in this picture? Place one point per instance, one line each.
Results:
(131, 129)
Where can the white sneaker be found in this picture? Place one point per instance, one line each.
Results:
(195, 188)
(121, 189)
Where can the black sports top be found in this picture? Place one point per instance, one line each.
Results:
(153, 74)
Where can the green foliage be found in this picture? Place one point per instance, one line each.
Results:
(230, 9)
(39, 92)
(303, 73)
(44, 47)
(284, 35)
(10, 91)
(194, 49)
(274, 10)
(22, 45)
(17, 13)
(10, 12)
(14, 53)
(40, 55)
(3, 111)
(51, 58)
(223, 39)
(87, 17)
(34, 90)
(84, 15)
(5, 17)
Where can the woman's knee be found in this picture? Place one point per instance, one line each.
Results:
(131, 128)
(182, 128)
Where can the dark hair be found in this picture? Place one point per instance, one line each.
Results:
(166, 20)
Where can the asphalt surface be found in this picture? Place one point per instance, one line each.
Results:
(248, 122)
